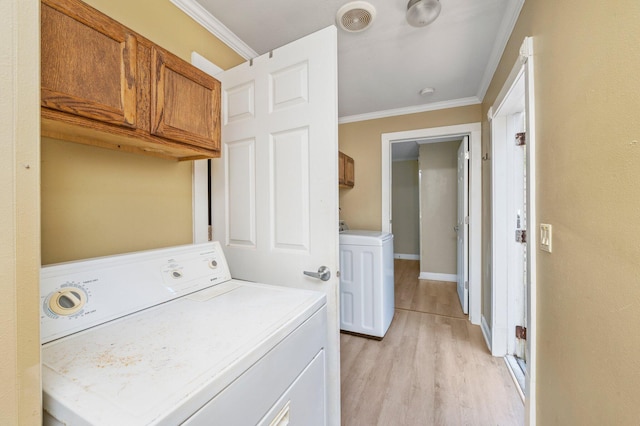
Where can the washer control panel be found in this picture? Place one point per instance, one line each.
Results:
(67, 301)
(78, 295)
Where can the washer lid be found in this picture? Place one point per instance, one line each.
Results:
(365, 238)
(160, 365)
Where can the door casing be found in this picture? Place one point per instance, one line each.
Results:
(523, 67)
(473, 130)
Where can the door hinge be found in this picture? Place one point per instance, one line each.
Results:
(521, 332)
(521, 138)
(466, 155)
(521, 235)
(466, 220)
(210, 233)
(466, 285)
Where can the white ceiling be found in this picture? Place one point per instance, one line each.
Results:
(382, 69)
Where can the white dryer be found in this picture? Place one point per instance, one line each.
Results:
(366, 282)
(166, 337)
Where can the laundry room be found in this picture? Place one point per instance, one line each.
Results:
(169, 256)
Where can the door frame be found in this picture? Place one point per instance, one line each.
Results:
(523, 68)
(201, 171)
(462, 225)
(474, 131)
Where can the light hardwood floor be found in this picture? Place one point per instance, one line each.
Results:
(431, 368)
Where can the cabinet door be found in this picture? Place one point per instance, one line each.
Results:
(185, 102)
(88, 63)
(341, 167)
(349, 171)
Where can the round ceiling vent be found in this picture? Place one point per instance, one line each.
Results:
(355, 16)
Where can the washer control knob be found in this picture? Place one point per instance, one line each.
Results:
(213, 264)
(176, 274)
(67, 301)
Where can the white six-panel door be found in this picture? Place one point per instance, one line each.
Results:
(462, 225)
(275, 189)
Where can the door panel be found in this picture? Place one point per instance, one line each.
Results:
(184, 101)
(290, 197)
(275, 189)
(240, 161)
(462, 225)
(88, 65)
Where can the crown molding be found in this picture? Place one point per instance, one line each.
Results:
(410, 110)
(202, 16)
(506, 28)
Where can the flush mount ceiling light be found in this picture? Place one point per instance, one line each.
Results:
(421, 13)
(355, 16)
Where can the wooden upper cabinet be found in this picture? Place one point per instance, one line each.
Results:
(88, 64)
(349, 172)
(103, 84)
(341, 162)
(346, 170)
(185, 102)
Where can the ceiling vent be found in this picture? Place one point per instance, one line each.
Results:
(355, 16)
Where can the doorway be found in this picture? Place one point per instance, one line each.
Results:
(508, 319)
(472, 130)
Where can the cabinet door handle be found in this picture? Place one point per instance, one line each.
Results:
(323, 273)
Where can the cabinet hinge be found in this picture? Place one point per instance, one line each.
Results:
(521, 235)
(521, 332)
(521, 138)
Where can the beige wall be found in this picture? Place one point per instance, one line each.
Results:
(98, 202)
(406, 209)
(439, 207)
(165, 24)
(361, 206)
(587, 58)
(19, 213)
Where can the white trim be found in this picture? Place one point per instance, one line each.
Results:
(474, 130)
(524, 65)
(532, 224)
(203, 17)
(406, 256)
(504, 33)
(200, 201)
(435, 276)
(516, 71)
(202, 63)
(200, 178)
(486, 331)
(509, 361)
(500, 237)
(454, 103)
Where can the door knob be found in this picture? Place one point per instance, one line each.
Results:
(323, 273)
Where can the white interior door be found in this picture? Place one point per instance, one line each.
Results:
(517, 255)
(275, 189)
(462, 224)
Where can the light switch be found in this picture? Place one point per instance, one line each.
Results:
(545, 237)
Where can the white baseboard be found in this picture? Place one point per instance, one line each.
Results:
(406, 256)
(486, 332)
(434, 276)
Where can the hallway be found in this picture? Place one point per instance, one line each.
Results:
(432, 367)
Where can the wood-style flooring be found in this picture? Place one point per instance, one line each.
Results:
(432, 367)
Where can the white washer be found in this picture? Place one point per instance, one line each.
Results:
(167, 337)
(366, 282)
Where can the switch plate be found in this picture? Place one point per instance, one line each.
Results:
(545, 237)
